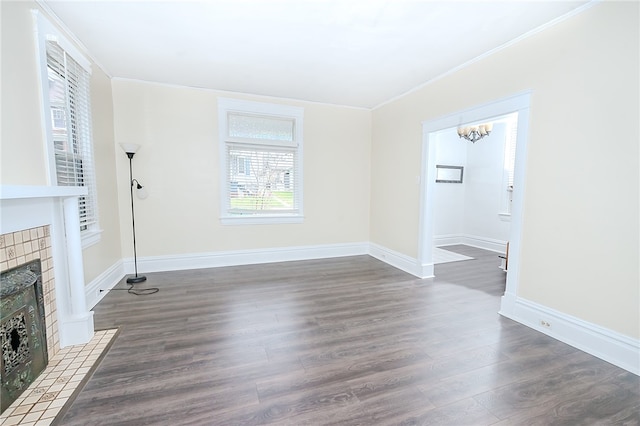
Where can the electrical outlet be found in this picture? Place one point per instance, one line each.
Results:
(545, 324)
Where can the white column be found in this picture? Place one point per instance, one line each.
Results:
(77, 323)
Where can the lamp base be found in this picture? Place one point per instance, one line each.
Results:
(137, 279)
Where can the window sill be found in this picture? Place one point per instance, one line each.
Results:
(90, 238)
(260, 220)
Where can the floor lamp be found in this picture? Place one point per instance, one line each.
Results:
(131, 149)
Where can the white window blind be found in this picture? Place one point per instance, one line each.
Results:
(261, 148)
(70, 112)
(264, 183)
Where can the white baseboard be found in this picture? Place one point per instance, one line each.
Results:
(115, 273)
(600, 342)
(77, 329)
(401, 261)
(105, 281)
(490, 244)
(447, 240)
(243, 257)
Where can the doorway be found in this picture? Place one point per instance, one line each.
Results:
(515, 104)
(475, 210)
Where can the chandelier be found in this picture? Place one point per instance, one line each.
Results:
(475, 133)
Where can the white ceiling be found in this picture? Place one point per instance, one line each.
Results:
(359, 53)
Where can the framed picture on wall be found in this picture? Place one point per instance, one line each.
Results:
(449, 174)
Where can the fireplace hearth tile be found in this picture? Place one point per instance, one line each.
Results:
(55, 389)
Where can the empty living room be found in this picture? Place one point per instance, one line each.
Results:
(340, 212)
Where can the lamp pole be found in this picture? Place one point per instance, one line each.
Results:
(137, 278)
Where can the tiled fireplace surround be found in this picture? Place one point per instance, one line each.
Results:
(20, 247)
(41, 222)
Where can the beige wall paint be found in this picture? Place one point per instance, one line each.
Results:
(580, 229)
(24, 160)
(580, 224)
(179, 164)
(99, 257)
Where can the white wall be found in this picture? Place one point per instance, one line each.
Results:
(179, 163)
(24, 158)
(449, 198)
(580, 234)
(484, 189)
(467, 213)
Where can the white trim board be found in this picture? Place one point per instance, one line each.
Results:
(401, 261)
(447, 240)
(243, 257)
(447, 256)
(485, 243)
(100, 286)
(490, 244)
(600, 342)
(270, 255)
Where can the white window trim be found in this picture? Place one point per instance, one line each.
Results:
(226, 105)
(45, 30)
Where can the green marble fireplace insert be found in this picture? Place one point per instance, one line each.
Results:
(22, 328)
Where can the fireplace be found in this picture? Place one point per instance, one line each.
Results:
(29, 326)
(41, 222)
(22, 329)
(39, 226)
(27, 207)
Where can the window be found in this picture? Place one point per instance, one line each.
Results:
(261, 151)
(242, 165)
(511, 135)
(58, 119)
(67, 104)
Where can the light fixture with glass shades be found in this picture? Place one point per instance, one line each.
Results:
(475, 133)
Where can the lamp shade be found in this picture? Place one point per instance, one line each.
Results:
(130, 148)
(141, 192)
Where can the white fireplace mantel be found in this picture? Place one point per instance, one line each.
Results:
(11, 192)
(25, 207)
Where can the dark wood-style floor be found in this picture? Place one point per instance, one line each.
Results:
(347, 341)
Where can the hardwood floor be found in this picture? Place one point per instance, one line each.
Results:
(347, 341)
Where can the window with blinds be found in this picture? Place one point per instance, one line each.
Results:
(71, 135)
(261, 145)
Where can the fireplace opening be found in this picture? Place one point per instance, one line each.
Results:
(22, 329)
